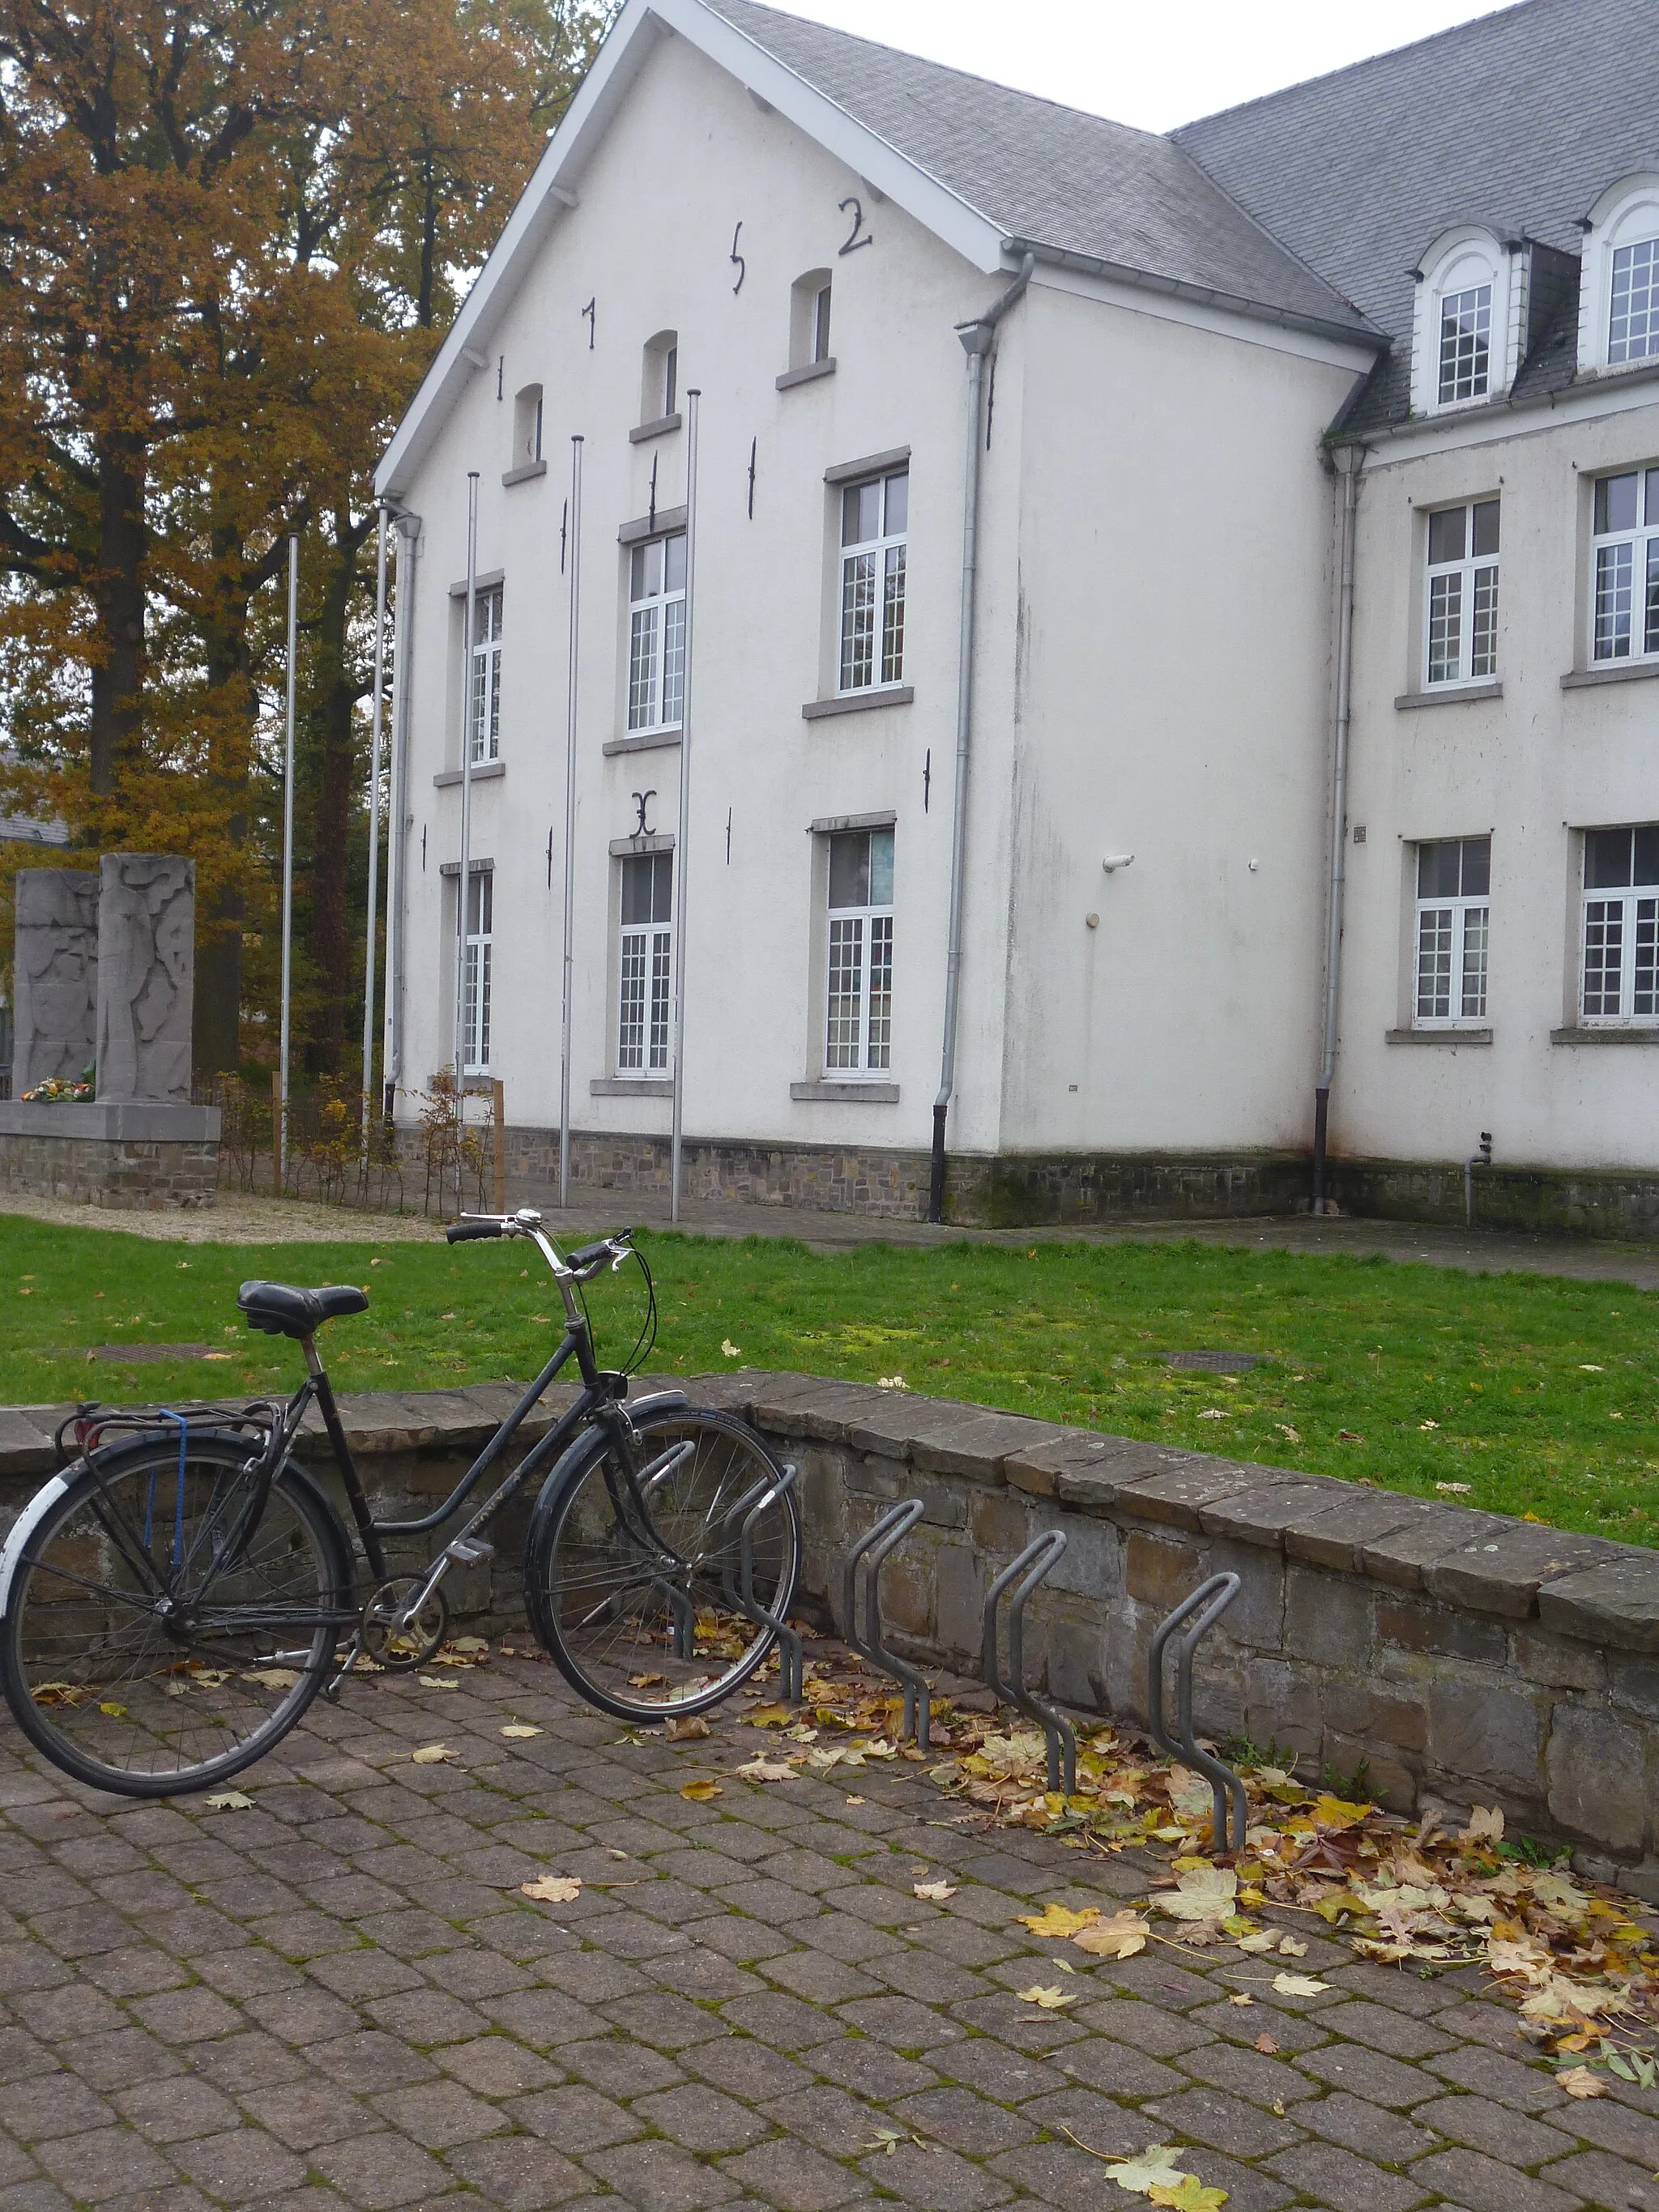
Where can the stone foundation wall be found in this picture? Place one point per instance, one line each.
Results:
(125, 1174)
(1461, 1657)
(1571, 1202)
(834, 1179)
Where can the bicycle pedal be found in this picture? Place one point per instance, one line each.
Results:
(469, 1551)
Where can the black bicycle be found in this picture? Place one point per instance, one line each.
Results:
(171, 1602)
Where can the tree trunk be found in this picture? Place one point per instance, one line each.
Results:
(332, 936)
(118, 671)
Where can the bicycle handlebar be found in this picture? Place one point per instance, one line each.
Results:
(463, 1232)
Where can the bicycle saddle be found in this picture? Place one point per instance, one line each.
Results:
(281, 1310)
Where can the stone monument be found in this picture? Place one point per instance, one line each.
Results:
(118, 991)
(55, 977)
(146, 975)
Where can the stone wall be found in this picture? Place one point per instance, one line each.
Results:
(1462, 1657)
(126, 1157)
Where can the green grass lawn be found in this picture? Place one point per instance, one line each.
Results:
(1541, 1394)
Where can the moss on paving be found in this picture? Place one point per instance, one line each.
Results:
(1540, 1393)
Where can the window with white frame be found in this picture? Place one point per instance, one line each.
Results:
(1619, 978)
(859, 992)
(1465, 360)
(1461, 637)
(1624, 580)
(656, 634)
(1453, 882)
(644, 1002)
(478, 955)
(485, 723)
(1633, 300)
(874, 520)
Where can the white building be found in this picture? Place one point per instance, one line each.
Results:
(1236, 433)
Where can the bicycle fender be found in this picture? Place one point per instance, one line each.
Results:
(660, 1401)
(24, 1527)
(577, 1458)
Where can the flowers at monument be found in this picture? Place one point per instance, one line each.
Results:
(58, 1090)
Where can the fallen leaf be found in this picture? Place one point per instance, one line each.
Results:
(646, 1681)
(1191, 2196)
(1239, 1997)
(115, 1712)
(1119, 1937)
(1261, 1939)
(1059, 1920)
(1051, 1999)
(855, 1801)
(1486, 1825)
(1152, 2168)
(1266, 2045)
(439, 1682)
(433, 1754)
(934, 1892)
(686, 1728)
(272, 1678)
(1453, 1489)
(1289, 1948)
(231, 1800)
(519, 1730)
(1203, 1892)
(886, 2139)
(732, 1350)
(700, 1792)
(769, 1769)
(553, 1888)
(764, 1715)
(1579, 2082)
(1299, 1985)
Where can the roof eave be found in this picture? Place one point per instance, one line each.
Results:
(1362, 334)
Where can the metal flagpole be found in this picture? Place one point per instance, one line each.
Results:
(693, 406)
(576, 544)
(281, 1162)
(464, 884)
(373, 828)
(397, 888)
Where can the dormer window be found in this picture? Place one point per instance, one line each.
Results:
(1469, 311)
(1464, 344)
(1618, 298)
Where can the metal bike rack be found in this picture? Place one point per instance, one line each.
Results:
(789, 1652)
(1033, 1564)
(864, 1566)
(684, 1612)
(1209, 1601)
(738, 1536)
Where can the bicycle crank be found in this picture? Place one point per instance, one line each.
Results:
(394, 1636)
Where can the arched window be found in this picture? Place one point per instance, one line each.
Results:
(1619, 296)
(527, 427)
(1469, 305)
(661, 385)
(809, 319)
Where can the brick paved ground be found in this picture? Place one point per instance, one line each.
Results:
(340, 1998)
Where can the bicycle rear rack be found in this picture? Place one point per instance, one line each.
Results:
(863, 1567)
(1033, 1563)
(1214, 1597)
(738, 1536)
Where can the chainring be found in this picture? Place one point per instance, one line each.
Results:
(418, 1641)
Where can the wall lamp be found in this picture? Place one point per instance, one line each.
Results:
(1115, 860)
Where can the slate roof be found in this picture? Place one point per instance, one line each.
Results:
(1520, 120)
(1049, 175)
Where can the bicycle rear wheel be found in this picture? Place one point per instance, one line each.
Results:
(645, 1616)
(149, 1646)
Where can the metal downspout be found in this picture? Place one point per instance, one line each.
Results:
(977, 339)
(1349, 461)
(373, 902)
(403, 653)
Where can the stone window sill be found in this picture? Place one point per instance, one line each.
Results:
(525, 475)
(1447, 695)
(809, 374)
(642, 433)
(1604, 1037)
(858, 702)
(483, 772)
(631, 1086)
(644, 741)
(845, 1094)
(662, 523)
(1439, 1036)
(1584, 679)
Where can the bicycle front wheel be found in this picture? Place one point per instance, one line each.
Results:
(152, 1643)
(637, 1589)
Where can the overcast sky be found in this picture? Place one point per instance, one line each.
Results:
(1154, 66)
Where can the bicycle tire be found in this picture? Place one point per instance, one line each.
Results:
(89, 1561)
(580, 1563)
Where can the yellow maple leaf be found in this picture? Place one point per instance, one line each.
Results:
(1059, 1920)
(553, 1888)
(1191, 2197)
(700, 1792)
(1329, 1812)
(771, 1717)
(1119, 1937)
(1051, 1999)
